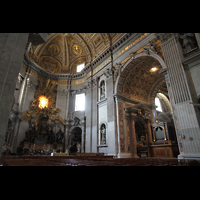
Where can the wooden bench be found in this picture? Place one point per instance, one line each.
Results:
(88, 160)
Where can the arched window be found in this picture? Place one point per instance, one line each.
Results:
(158, 104)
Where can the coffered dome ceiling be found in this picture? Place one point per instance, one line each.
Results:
(63, 51)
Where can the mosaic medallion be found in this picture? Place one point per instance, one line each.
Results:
(76, 49)
(53, 49)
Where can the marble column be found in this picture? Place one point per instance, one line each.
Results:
(185, 119)
(18, 116)
(94, 117)
(121, 142)
(119, 126)
(21, 92)
(88, 112)
(83, 135)
(149, 132)
(133, 139)
(111, 130)
(12, 47)
(28, 96)
(17, 121)
(62, 102)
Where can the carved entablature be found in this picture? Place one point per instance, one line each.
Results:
(139, 110)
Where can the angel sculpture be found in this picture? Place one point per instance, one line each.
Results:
(188, 42)
(33, 110)
(151, 46)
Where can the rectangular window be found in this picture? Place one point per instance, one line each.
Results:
(80, 102)
(80, 67)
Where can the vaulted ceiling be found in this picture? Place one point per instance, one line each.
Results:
(63, 51)
(138, 81)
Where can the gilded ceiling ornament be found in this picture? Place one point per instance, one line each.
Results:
(53, 49)
(77, 49)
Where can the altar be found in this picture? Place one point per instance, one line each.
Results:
(41, 149)
(42, 141)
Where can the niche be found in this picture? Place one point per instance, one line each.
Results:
(75, 140)
(103, 134)
(102, 90)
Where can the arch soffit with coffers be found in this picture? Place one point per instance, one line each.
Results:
(139, 55)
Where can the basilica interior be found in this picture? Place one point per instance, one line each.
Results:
(120, 95)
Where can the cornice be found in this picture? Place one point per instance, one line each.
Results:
(121, 97)
(102, 102)
(191, 60)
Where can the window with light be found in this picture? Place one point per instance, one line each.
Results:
(80, 102)
(80, 67)
(157, 103)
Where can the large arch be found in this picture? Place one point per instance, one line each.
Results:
(137, 81)
(136, 86)
(132, 59)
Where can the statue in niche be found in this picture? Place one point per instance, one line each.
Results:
(103, 134)
(102, 89)
(188, 42)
